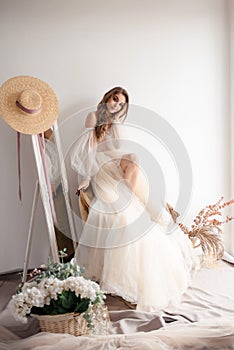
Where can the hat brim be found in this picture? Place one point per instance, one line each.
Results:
(20, 121)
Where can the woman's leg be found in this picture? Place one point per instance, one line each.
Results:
(129, 166)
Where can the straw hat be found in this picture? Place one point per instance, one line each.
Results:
(28, 104)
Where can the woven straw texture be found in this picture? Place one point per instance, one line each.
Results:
(84, 201)
(19, 120)
(71, 323)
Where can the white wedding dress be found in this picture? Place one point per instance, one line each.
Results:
(124, 244)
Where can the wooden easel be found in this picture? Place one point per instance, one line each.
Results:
(41, 185)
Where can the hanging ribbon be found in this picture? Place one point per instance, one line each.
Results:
(19, 167)
(41, 141)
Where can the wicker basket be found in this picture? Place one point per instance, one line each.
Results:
(71, 323)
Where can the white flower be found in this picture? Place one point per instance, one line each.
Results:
(47, 300)
(29, 285)
(51, 287)
(34, 297)
(70, 283)
(40, 293)
(18, 308)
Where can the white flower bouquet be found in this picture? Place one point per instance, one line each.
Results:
(55, 289)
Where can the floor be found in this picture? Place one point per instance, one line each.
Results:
(8, 285)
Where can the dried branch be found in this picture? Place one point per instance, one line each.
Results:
(206, 230)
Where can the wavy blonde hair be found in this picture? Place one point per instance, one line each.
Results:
(103, 120)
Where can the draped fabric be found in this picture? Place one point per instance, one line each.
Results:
(213, 334)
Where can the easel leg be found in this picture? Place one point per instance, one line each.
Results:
(29, 242)
(45, 199)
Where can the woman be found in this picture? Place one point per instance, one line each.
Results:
(124, 245)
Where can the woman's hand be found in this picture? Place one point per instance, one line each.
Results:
(84, 184)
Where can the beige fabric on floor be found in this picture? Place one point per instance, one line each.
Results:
(215, 334)
(211, 295)
(209, 302)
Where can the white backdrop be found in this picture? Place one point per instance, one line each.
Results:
(173, 56)
(231, 12)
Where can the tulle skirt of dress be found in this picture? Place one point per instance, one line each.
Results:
(124, 245)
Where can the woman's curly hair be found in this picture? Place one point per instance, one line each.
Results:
(103, 120)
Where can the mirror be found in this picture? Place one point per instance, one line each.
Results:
(63, 218)
(52, 183)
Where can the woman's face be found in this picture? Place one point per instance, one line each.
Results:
(115, 103)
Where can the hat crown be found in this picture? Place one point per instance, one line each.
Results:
(30, 99)
(29, 105)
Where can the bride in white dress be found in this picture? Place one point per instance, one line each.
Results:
(124, 245)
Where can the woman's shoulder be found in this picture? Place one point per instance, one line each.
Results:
(91, 120)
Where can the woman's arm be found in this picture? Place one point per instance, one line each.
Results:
(91, 120)
(83, 157)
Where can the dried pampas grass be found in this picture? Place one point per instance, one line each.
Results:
(206, 229)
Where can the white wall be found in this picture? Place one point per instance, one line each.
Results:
(171, 55)
(231, 38)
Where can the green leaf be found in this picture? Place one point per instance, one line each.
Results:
(61, 310)
(82, 306)
(66, 303)
(68, 300)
